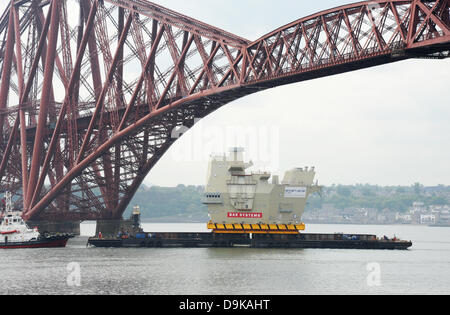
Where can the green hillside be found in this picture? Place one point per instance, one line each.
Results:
(160, 202)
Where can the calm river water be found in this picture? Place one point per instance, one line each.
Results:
(425, 269)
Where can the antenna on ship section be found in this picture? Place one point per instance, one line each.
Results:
(237, 154)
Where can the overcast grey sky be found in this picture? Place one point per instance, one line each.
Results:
(387, 125)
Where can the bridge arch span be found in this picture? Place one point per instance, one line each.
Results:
(96, 101)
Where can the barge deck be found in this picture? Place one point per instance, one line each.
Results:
(214, 240)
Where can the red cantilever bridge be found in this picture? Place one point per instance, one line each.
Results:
(91, 91)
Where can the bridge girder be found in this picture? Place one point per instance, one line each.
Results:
(92, 91)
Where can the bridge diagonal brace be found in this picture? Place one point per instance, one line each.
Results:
(100, 102)
(72, 84)
(25, 94)
(45, 100)
(149, 62)
(206, 69)
(7, 68)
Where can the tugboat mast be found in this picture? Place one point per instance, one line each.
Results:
(8, 200)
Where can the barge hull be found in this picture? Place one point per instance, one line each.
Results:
(211, 240)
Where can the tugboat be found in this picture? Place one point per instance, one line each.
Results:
(15, 233)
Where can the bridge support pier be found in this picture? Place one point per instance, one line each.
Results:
(110, 228)
(72, 227)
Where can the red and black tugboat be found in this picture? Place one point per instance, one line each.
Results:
(15, 233)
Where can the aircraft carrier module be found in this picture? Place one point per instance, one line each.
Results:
(255, 203)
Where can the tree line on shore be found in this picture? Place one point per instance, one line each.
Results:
(182, 201)
(394, 198)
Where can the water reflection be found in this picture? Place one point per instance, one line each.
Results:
(422, 270)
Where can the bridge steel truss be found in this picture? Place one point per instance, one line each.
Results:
(92, 92)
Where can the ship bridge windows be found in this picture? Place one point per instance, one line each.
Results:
(213, 195)
(212, 198)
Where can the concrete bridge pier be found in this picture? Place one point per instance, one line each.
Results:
(72, 227)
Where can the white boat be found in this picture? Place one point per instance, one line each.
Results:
(15, 233)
